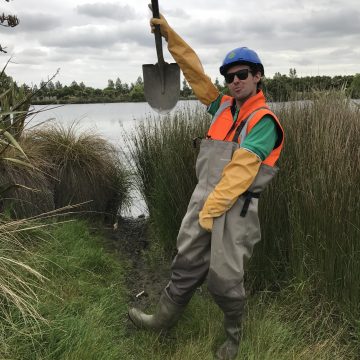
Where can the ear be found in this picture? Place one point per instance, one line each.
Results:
(257, 77)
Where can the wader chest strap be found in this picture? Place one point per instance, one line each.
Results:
(248, 196)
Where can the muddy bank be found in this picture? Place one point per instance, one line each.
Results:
(129, 241)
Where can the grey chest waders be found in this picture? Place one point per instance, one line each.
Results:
(219, 255)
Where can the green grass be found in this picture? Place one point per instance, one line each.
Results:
(85, 303)
(84, 300)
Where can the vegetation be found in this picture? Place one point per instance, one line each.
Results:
(85, 302)
(279, 88)
(52, 167)
(311, 215)
(29, 177)
(85, 167)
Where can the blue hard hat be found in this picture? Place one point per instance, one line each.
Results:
(242, 55)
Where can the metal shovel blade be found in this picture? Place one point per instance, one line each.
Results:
(161, 86)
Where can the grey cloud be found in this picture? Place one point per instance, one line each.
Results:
(107, 10)
(180, 13)
(329, 23)
(30, 56)
(39, 22)
(92, 36)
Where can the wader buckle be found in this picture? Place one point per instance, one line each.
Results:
(248, 196)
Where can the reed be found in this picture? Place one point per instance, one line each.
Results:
(311, 215)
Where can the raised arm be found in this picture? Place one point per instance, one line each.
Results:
(189, 63)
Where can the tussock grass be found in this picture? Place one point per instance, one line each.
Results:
(87, 168)
(26, 188)
(164, 157)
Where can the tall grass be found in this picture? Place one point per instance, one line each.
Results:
(310, 214)
(164, 157)
(19, 281)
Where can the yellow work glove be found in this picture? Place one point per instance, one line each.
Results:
(189, 63)
(236, 178)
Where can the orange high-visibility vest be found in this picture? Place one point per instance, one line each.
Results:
(223, 126)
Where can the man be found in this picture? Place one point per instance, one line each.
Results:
(235, 163)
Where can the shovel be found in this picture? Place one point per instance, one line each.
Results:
(162, 80)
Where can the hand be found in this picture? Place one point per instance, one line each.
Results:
(164, 26)
(205, 221)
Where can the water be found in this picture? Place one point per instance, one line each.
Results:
(110, 120)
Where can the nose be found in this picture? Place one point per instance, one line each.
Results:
(236, 79)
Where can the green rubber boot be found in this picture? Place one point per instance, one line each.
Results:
(167, 313)
(230, 348)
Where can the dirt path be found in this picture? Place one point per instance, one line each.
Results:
(129, 241)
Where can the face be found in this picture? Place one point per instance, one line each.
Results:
(241, 90)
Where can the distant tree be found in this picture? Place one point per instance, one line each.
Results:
(139, 81)
(137, 90)
(292, 73)
(111, 84)
(355, 87)
(126, 88)
(218, 85)
(186, 90)
(50, 86)
(118, 86)
(58, 85)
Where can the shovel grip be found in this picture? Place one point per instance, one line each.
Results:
(157, 33)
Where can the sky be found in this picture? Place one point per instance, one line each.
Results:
(93, 41)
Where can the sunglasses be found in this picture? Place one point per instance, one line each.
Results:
(241, 75)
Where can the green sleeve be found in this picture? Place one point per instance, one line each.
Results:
(214, 106)
(262, 137)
